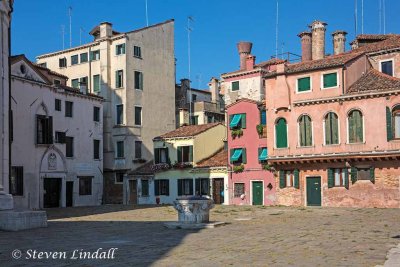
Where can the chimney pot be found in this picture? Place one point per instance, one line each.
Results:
(318, 29)
(306, 45)
(214, 89)
(244, 49)
(339, 41)
(250, 61)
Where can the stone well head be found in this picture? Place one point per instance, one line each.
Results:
(193, 209)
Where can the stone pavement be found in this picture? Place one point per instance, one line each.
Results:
(255, 236)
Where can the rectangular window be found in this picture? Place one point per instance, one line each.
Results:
(120, 149)
(194, 120)
(235, 86)
(262, 154)
(96, 83)
(289, 178)
(238, 189)
(119, 78)
(17, 181)
(237, 121)
(185, 187)
(96, 114)
(138, 80)
(69, 106)
(185, 153)
(137, 52)
(238, 156)
(145, 187)
(95, 55)
(304, 84)
(74, 60)
(339, 175)
(96, 149)
(83, 83)
(85, 185)
(138, 149)
(60, 137)
(119, 177)
(56, 82)
(202, 186)
(210, 119)
(363, 174)
(120, 114)
(57, 104)
(329, 80)
(44, 129)
(84, 57)
(263, 117)
(75, 83)
(161, 187)
(387, 67)
(62, 62)
(138, 116)
(69, 146)
(194, 98)
(161, 155)
(120, 49)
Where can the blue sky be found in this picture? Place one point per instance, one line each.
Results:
(218, 26)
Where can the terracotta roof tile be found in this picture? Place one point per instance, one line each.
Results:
(219, 159)
(188, 130)
(374, 80)
(272, 61)
(145, 169)
(243, 100)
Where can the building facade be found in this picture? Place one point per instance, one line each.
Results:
(251, 181)
(334, 121)
(135, 74)
(57, 139)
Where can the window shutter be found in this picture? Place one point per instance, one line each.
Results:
(359, 129)
(372, 174)
(296, 179)
(282, 181)
(116, 79)
(231, 151)
(244, 157)
(190, 153)
(334, 128)
(50, 130)
(230, 118)
(191, 187)
(141, 80)
(243, 121)
(331, 178)
(353, 173)
(259, 153)
(179, 187)
(179, 151)
(123, 49)
(346, 178)
(197, 186)
(156, 187)
(389, 131)
(330, 80)
(156, 156)
(303, 84)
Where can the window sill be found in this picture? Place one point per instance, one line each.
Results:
(331, 145)
(138, 89)
(138, 126)
(138, 57)
(119, 88)
(360, 143)
(327, 88)
(97, 159)
(304, 92)
(395, 140)
(299, 147)
(281, 148)
(116, 158)
(70, 157)
(119, 126)
(118, 55)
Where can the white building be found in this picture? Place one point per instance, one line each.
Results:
(135, 74)
(56, 142)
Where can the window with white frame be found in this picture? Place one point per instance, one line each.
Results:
(329, 80)
(303, 84)
(120, 49)
(238, 189)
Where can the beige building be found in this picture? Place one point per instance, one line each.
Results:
(135, 73)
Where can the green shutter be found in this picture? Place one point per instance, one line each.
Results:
(346, 178)
(330, 80)
(141, 81)
(179, 187)
(179, 151)
(372, 174)
(359, 129)
(243, 121)
(281, 133)
(282, 180)
(331, 178)
(334, 128)
(235, 86)
(123, 49)
(156, 187)
(96, 83)
(190, 153)
(244, 158)
(389, 130)
(259, 153)
(303, 84)
(353, 173)
(230, 118)
(116, 79)
(351, 128)
(231, 151)
(296, 179)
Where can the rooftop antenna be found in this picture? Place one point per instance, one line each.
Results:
(276, 29)
(380, 16)
(198, 78)
(63, 36)
(355, 17)
(81, 30)
(384, 16)
(189, 30)
(362, 16)
(70, 25)
(147, 16)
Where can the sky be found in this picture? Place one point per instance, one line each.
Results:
(217, 27)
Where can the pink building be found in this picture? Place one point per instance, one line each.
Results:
(334, 138)
(250, 181)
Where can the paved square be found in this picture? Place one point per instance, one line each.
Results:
(255, 236)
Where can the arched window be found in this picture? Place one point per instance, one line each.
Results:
(396, 122)
(355, 122)
(305, 129)
(281, 133)
(331, 129)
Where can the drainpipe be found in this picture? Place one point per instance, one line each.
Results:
(9, 90)
(343, 69)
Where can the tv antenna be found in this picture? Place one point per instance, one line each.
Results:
(70, 25)
(63, 36)
(147, 15)
(189, 30)
(276, 29)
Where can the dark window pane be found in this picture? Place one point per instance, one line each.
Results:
(17, 181)
(138, 116)
(138, 149)
(58, 104)
(74, 60)
(69, 109)
(387, 67)
(120, 114)
(96, 149)
(85, 185)
(69, 147)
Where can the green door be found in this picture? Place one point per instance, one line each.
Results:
(314, 191)
(281, 133)
(257, 193)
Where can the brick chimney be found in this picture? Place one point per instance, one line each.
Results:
(214, 89)
(318, 39)
(339, 42)
(306, 45)
(244, 49)
(105, 29)
(250, 61)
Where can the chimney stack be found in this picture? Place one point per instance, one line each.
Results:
(318, 39)
(306, 46)
(105, 29)
(250, 61)
(214, 89)
(339, 42)
(244, 49)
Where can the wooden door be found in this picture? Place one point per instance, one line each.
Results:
(314, 191)
(257, 193)
(218, 190)
(52, 192)
(132, 192)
